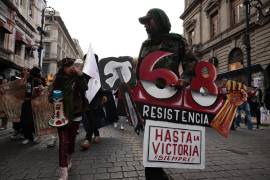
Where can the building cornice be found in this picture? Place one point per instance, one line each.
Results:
(63, 26)
(193, 4)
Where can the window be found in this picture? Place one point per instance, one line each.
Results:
(18, 48)
(2, 39)
(214, 29)
(47, 47)
(31, 8)
(58, 53)
(235, 59)
(29, 52)
(45, 69)
(191, 36)
(238, 11)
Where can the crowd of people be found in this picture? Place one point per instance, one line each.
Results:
(104, 108)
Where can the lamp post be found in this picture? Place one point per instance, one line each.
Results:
(42, 32)
(261, 18)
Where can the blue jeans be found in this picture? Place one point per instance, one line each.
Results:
(246, 108)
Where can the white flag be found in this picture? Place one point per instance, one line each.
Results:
(90, 68)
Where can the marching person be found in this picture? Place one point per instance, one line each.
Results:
(181, 62)
(68, 79)
(92, 117)
(34, 84)
(3, 116)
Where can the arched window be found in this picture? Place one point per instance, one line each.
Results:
(31, 8)
(236, 59)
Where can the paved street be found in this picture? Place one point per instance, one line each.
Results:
(244, 155)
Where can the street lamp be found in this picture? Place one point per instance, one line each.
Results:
(260, 20)
(42, 32)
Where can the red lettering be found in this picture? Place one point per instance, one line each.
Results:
(185, 150)
(174, 148)
(196, 138)
(156, 148)
(182, 134)
(175, 136)
(205, 78)
(195, 151)
(189, 139)
(162, 150)
(167, 149)
(168, 136)
(174, 158)
(180, 149)
(160, 157)
(159, 135)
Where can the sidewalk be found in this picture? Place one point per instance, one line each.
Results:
(244, 155)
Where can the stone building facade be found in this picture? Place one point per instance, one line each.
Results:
(19, 20)
(58, 44)
(216, 29)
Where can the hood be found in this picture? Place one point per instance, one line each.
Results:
(160, 18)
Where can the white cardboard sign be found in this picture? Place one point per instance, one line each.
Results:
(172, 145)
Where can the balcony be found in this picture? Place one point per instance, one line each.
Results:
(5, 54)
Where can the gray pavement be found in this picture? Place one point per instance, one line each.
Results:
(244, 155)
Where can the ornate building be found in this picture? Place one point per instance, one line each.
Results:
(216, 29)
(58, 44)
(19, 20)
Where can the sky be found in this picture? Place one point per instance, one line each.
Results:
(112, 26)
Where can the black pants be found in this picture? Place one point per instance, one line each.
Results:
(27, 120)
(90, 122)
(155, 174)
(110, 108)
(17, 127)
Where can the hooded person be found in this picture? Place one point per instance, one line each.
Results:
(181, 61)
(158, 26)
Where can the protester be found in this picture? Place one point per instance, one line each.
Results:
(267, 98)
(92, 117)
(34, 84)
(120, 111)
(255, 101)
(68, 79)
(158, 26)
(110, 108)
(246, 108)
(3, 115)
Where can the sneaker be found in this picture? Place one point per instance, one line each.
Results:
(36, 140)
(52, 142)
(16, 136)
(63, 173)
(69, 165)
(122, 127)
(85, 145)
(97, 140)
(115, 125)
(26, 141)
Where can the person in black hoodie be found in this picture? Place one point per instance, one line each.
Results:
(181, 62)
